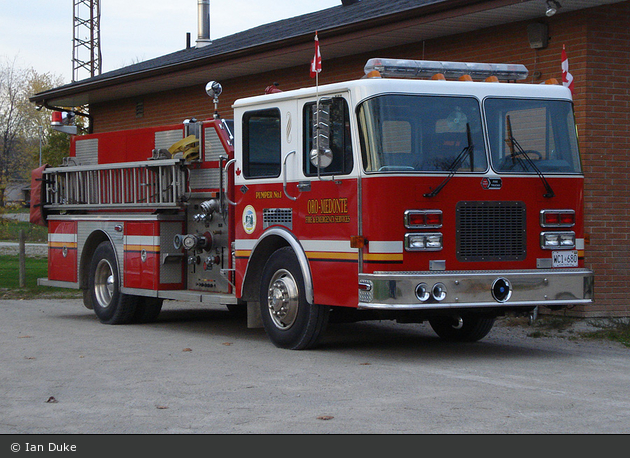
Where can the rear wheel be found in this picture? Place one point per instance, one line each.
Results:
(468, 328)
(110, 305)
(87, 299)
(289, 320)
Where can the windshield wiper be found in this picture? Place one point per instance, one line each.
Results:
(468, 150)
(516, 155)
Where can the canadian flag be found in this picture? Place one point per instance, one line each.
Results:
(567, 78)
(316, 64)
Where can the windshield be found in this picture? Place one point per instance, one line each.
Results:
(410, 133)
(544, 129)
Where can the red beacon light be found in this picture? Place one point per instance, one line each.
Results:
(56, 118)
(63, 121)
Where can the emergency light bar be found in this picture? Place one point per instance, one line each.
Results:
(402, 68)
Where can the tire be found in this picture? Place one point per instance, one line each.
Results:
(87, 299)
(110, 305)
(471, 329)
(289, 320)
(147, 310)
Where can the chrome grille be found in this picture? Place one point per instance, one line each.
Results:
(283, 216)
(491, 231)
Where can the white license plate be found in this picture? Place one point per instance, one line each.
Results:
(564, 258)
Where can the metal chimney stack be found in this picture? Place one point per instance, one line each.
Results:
(203, 23)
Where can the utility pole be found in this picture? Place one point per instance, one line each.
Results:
(86, 43)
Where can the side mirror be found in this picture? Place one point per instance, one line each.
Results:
(214, 90)
(321, 155)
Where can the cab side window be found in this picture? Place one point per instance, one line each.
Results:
(338, 139)
(261, 143)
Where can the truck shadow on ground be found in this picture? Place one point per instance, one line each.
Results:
(367, 337)
(419, 340)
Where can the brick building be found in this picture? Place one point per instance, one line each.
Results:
(596, 34)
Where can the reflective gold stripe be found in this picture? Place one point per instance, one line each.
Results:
(151, 248)
(332, 255)
(62, 244)
(383, 257)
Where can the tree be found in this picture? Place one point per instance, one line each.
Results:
(22, 125)
(54, 145)
(12, 92)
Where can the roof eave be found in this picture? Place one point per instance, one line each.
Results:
(72, 90)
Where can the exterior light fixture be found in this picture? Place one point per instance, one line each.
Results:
(552, 7)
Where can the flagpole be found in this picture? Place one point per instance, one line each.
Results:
(317, 106)
(317, 120)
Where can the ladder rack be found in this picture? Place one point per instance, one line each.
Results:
(127, 185)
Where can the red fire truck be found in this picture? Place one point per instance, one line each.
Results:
(425, 191)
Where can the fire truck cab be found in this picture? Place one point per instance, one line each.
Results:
(387, 197)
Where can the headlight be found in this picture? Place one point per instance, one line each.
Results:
(557, 240)
(423, 242)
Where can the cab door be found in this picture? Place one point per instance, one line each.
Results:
(326, 198)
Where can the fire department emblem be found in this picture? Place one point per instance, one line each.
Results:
(491, 183)
(249, 219)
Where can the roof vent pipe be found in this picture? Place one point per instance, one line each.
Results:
(203, 23)
(349, 2)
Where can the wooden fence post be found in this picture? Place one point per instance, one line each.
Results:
(22, 273)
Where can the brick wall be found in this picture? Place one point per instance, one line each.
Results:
(597, 42)
(605, 143)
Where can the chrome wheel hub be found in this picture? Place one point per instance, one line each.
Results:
(104, 283)
(283, 299)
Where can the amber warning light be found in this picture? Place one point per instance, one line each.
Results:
(357, 241)
(403, 68)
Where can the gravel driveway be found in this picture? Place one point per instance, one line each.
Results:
(200, 370)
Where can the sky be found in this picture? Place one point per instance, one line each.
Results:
(39, 33)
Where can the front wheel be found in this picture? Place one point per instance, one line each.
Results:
(289, 320)
(469, 328)
(110, 305)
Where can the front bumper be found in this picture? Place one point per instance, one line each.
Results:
(468, 289)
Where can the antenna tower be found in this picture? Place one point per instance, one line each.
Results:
(86, 43)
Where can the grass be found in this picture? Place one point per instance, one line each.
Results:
(10, 231)
(35, 267)
(612, 329)
(617, 330)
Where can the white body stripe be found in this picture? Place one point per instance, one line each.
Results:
(142, 240)
(385, 247)
(333, 246)
(64, 238)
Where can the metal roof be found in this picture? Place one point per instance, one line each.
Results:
(343, 30)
